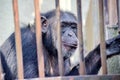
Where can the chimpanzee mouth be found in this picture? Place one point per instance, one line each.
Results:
(70, 46)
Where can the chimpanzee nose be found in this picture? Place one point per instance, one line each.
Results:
(70, 34)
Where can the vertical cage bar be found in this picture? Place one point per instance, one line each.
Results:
(40, 55)
(60, 56)
(102, 38)
(80, 38)
(18, 41)
(118, 13)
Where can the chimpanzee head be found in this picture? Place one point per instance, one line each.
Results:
(68, 25)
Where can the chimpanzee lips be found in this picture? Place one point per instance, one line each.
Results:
(70, 46)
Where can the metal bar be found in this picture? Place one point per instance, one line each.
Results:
(80, 38)
(40, 55)
(60, 56)
(102, 38)
(118, 12)
(85, 77)
(18, 41)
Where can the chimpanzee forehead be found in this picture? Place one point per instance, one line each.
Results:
(66, 17)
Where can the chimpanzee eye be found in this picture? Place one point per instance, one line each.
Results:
(74, 27)
(63, 25)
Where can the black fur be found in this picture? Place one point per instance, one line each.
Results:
(8, 51)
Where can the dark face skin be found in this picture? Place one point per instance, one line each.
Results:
(69, 38)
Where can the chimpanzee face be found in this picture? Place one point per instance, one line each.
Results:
(68, 24)
(69, 38)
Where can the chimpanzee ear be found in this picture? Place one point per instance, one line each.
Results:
(44, 24)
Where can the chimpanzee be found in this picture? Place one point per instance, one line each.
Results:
(69, 45)
(49, 25)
